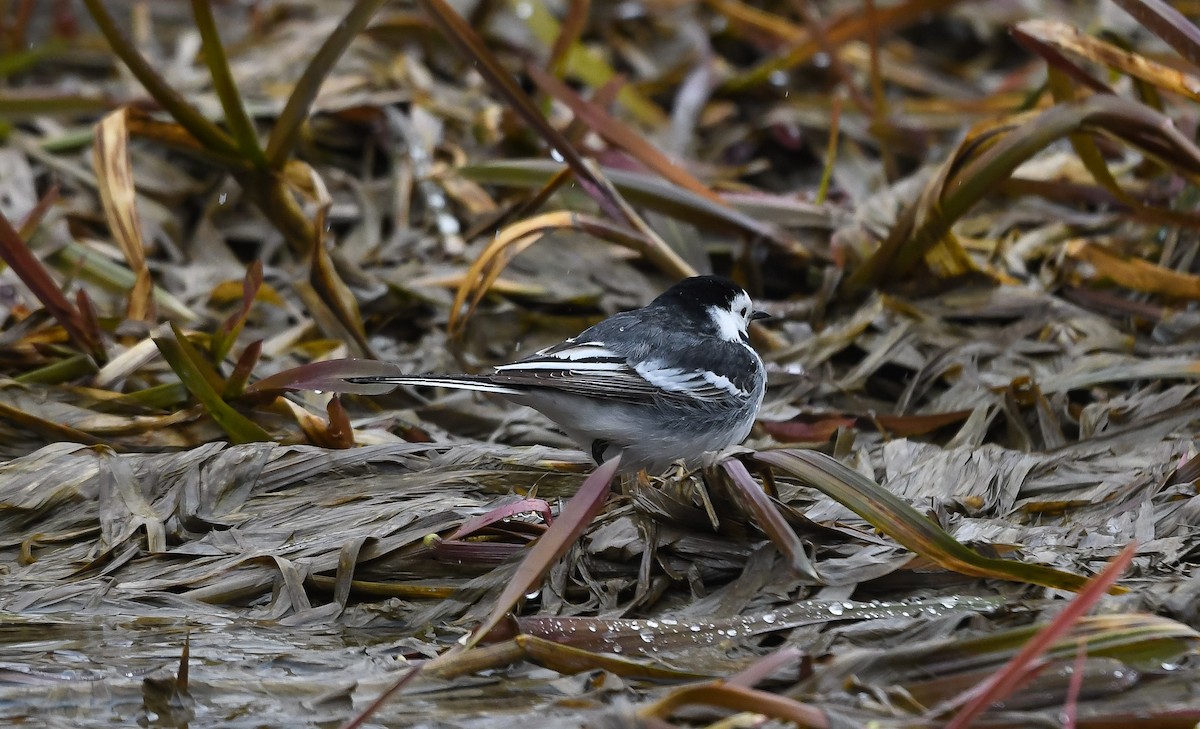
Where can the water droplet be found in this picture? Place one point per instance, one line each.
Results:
(222, 198)
(836, 609)
(778, 78)
(769, 618)
(524, 10)
(556, 155)
(695, 628)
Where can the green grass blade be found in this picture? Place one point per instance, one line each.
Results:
(240, 125)
(888, 513)
(191, 371)
(188, 116)
(287, 127)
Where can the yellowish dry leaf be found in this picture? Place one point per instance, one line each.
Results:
(114, 177)
(227, 292)
(1070, 39)
(1093, 262)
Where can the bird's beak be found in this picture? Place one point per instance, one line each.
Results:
(759, 315)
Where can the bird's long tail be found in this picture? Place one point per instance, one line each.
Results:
(477, 383)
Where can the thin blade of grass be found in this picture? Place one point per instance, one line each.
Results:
(287, 127)
(189, 117)
(851, 25)
(771, 521)
(565, 659)
(587, 65)
(514, 238)
(64, 370)
(240, 125)
(1167, 23)
(1005, 681)
(1041, 33)
(383, 698)
(33, 219)
(1039, 39)
(737, 698)
(764, 667)
(648, 191)
(329, 376)
(196, 376)
(223, 339)
(620, 135)
(1071, 705)
(48, 429)
(142, 124)
(456, 30)
(888, 513)
(334, 292)
(33, 274)
(568, 35)
(114, 277)
(831, 147)
(500, 513)
(235, 385)
(571, 522)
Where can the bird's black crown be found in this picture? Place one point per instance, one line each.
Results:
(700, 292)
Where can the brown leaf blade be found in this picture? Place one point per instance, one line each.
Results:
(329, 376)
(771, 521)
(552, 545)
(34, 274)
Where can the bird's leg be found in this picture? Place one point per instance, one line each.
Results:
(629, 480)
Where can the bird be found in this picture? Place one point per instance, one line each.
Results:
(670, 382)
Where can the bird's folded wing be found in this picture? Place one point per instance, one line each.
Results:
(592, 370)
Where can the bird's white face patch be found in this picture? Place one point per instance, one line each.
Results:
(732, 322)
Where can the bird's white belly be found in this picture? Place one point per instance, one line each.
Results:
(648, 437)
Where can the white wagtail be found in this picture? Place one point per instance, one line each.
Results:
(669, 382)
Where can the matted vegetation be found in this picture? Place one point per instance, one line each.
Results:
(971, 496)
